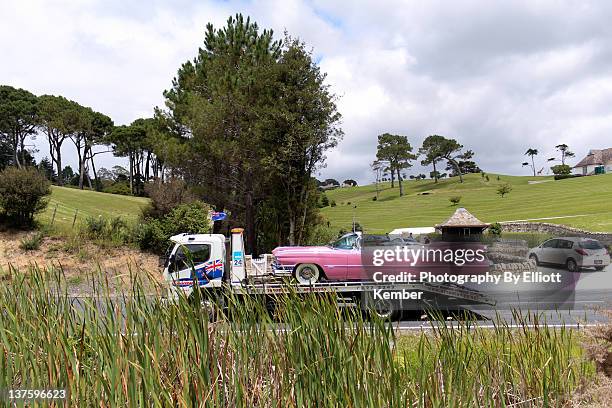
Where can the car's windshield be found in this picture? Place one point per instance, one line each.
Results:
(346, 242)
(590, 244)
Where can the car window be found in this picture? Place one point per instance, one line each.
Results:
(190, 255)
(590, 244)
(550, 244)
(564, 244)
(346, 242)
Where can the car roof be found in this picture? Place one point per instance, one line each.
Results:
(573, 239)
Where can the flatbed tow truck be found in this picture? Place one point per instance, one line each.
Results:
(216, 266)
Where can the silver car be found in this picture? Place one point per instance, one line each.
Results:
(573, 252)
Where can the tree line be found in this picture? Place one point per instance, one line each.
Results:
(25, 116)
(394, 154)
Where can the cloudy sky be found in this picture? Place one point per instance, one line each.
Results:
(498, 76)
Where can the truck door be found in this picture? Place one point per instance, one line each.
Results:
(193, 261)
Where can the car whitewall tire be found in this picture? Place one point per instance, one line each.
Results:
(307, 274)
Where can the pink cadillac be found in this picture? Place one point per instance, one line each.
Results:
(338, 261)
(345, 259)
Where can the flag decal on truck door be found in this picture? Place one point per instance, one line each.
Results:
(204, 273)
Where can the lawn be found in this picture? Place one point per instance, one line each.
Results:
(584, 202)
(88, 203)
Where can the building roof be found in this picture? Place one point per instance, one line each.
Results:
(462, 218)
(596, 157)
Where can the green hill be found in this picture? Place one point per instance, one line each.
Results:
(584, 202)
(89, 203)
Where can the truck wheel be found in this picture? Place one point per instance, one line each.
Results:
(571, 265)
(384, 310)
(307, 274)
(599, 268)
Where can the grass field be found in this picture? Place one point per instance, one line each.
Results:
(88, 203)
(584, 202)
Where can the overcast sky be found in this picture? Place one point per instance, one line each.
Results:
(498, 76)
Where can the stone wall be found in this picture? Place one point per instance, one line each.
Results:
(556, 230)
(516, 267)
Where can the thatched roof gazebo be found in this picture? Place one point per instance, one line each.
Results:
(462, 223)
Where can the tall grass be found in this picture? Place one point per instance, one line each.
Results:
(128, 349)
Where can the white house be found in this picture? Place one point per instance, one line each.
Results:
(597, 161)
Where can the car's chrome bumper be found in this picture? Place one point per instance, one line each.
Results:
(279, 269)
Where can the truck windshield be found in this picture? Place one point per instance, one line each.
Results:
(190, 255)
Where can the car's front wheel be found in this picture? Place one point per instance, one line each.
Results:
(571, 265)
(534, 258)
(307, 274)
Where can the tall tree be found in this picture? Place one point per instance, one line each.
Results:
(565, 152)
(58, 118)
(532, 152)
(18, 118)
(300, 126)
(397, 152)
(431, 150)
(450, 150)
(218, 101)
(378, 168)
(127, 141)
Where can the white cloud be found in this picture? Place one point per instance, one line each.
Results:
(498, 76)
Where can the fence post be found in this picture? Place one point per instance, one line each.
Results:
(74, 219)
(53, 217)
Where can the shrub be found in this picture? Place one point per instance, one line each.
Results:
(566, 176)
(153, 233)
(22, 193)
(504, 189)
(324, 201)
(374, 198)
(561, 169)
(455, 200)
(95, 227)
(487, 177)
(495, 229)
(333, 203)
(115, 229)
(166, 196)
(31, 242)
(120, 187)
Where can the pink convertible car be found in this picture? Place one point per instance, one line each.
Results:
(338, 261)
(346, 260)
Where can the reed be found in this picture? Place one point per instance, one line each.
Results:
(130, 349)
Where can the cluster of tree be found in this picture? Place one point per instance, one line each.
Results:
(252, 119)
(24, 116)
(394, 154)
(559, 169)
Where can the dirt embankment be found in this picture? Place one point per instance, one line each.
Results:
(78, 258)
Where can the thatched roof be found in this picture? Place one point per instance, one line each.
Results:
(462, 218)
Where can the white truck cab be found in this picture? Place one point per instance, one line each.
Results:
(202, 259)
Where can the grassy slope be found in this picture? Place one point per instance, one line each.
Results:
(89, 203)
(590, 196)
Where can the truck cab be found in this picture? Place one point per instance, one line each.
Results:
(202, 260)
